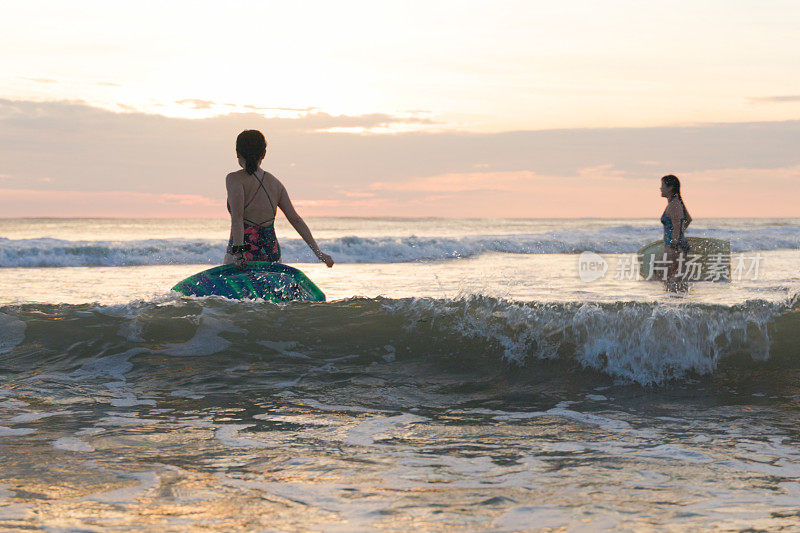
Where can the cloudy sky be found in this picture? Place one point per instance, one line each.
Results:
(435, 108)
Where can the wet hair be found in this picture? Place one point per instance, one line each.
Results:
(675, 184)
(251, 146)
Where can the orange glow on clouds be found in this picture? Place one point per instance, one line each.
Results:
(597, 192)
(594, 192)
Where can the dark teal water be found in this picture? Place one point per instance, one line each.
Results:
(399, 414)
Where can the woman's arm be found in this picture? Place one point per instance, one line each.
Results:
(236, 205)
(300, 226)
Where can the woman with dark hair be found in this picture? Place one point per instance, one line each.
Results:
(254, 197)
(675, 219)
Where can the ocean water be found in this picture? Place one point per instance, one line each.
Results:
(462, 375)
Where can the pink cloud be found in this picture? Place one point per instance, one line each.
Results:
(601, 191)
(519, 181)
(32, 203)
(519, 174)
(187, 200)
(342, 206)
(592, 192)
(357, 194)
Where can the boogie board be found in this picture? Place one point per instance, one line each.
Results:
(275, 282)
(711, 259)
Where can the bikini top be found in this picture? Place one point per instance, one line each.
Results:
(259, 188)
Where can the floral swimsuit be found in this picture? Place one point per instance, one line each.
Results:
(260, 239)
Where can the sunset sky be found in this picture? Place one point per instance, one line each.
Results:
(435, 108)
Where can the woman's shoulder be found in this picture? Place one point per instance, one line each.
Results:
(675, 205)
(270, 178)
(236, 175)
(270, 175)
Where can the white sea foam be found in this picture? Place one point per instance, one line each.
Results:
(12, 403)
(333, 407)
(769, 458)
(284, 348)
(354, 515)
(206, 340)
(634, 341)
(743, 509)
(72, 444)
(305, 419)
(184, 393)
(129, 400)
(16, 511)
(602, 422)
(609, 424)
(199, 422)
(596, 397)
(228, 435)
(89, 431)
(352, 249)
(116, 365)
(147, 481)
(552, 517)
(677, 452)
(124, 419)
(33, 417)
(364, 433)
(15, 432)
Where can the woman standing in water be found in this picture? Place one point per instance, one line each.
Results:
(254, 197)
(675, 219)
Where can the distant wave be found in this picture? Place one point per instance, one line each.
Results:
(646, 343)
(617, 239)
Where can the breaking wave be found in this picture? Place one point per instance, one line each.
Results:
(48, 252)
(645, 343)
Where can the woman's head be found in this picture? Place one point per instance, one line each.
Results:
(670, 186)
(251, 147)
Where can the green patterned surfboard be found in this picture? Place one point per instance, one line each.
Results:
(261, 279)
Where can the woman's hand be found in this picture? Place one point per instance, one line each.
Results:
(325, 258)
(240, 261)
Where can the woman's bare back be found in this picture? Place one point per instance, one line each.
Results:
(260, 204)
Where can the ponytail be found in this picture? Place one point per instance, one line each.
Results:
(685, 211)
(250, 165)
(675, 184)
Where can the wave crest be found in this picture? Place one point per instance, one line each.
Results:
(48, 252)
(646, 343)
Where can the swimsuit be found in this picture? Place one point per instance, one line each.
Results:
(262, 243)
(682, 243)
(261, 240)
